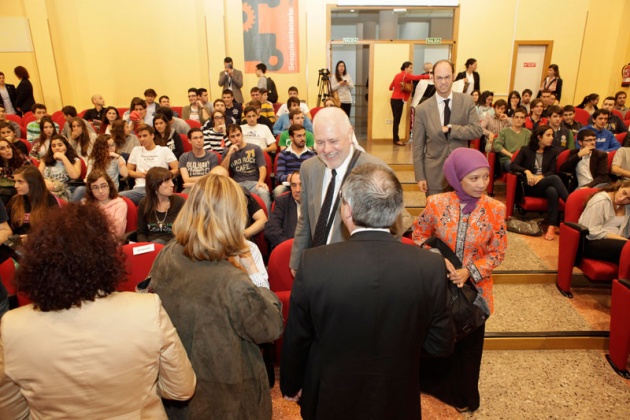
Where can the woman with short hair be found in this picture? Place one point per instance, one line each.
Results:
(221, 307)
(82, 350)
(24, 99)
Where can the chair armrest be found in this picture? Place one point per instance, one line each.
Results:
(583, 230)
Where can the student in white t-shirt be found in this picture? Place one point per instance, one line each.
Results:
(145, 157)
(258, 134)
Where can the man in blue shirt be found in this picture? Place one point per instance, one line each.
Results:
(606, 141)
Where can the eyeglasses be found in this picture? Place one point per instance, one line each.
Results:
(103, 187)
(218, 117)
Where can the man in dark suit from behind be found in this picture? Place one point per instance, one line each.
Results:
(283, 220)
(362, 311)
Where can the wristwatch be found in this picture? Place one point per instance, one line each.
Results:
(449, 127)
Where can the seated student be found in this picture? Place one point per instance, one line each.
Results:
(296, 116)
(47, 130)
(110, 114)
(258, 134)
(95, 115)
(614, 123)
(621, 163)
(159, 208)
(606, 140)
(198, 162)
(204, 100)
(568, 120)
(214, 131)
(620, 102)
(180, 126)
(492, 124)
(144, 157)
(60, 166)
(587, 164)
(11, 159)
(589, 103)
(100, 190)
(285, 108)
(192, 111)
(15, 126)
(81, 139)
(7, 133)
(32, 201)
(233, 109)
(165, 102)
(562, 137)
(124, 139)
(607, 217)
(283, 219)
(526, 97)
(70, 112)
(137, 114)
(166, 136)
(283, 119)
(33, 129)
(266, 108)
(256, 218)
(261, 120)
(291, 158)
(484, 105)
(537, 161)
(511, 139)
(246, 164)
(535, 117)
(149, 98)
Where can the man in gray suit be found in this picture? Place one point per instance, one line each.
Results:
(442, 124)
(232, 79)
(336, 154)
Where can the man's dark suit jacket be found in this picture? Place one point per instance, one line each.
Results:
(598, 166)
(462, 75)
(283, 220)
(12, 95)
(361, 313)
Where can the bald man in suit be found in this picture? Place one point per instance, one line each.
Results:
(333, 143)
(442, 123)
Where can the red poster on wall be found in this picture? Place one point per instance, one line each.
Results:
(270, 34)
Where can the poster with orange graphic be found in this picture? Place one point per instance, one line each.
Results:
(270, 34)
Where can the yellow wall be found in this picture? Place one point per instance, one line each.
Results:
(119, 48)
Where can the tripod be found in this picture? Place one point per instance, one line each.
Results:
(324, 89)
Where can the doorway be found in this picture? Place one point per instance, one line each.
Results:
(529, 64)
(357, 60)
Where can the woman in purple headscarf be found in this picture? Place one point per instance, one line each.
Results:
(472, 225)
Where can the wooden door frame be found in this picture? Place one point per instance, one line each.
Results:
(547, 62)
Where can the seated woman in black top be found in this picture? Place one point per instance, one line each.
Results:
(32, 201)
(537, 161)
(159, 209)
(10, 160)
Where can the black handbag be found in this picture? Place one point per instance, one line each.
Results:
(467, 315)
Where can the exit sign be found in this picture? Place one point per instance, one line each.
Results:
(434, 40)
(351, 40)
(531, 64)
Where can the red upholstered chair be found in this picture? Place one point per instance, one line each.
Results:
(620, 137)
(186, 143)
(526, 203)
(273, 204)
(132, 215)
(259, 238)
(138, 266)
(28, 118)
(581, 116)
(492, 157)
(83, 170)
(23, 132)
(475, 144)
(177, 109)
(571, 244)
(269, 171)
(619, 347)
(59, 118)
(276, 107)
(121, 111)
(219, 156)
(7, 273)
(194, 124)
(617, 113)
(27, 143)
(314, 111)
(281, 281)
(181, 194)
(408, 241)
(15, 118)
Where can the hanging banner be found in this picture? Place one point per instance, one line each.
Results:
(270, 34)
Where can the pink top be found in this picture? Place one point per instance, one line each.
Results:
(395, 85)
(116, 210)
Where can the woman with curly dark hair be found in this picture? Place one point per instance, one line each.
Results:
(60, 165)
(24, 99)
(80, 138)
(105, 158)
(166, 136)
(100, 190)
(47, 129)
(79, 332)
(124, 139)
(11, 159)
(109, 116)
(159, 208)
(31, 203)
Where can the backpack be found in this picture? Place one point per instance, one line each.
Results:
(272, 92)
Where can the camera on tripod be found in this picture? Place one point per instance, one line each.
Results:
(324, 74)
(323, 81)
